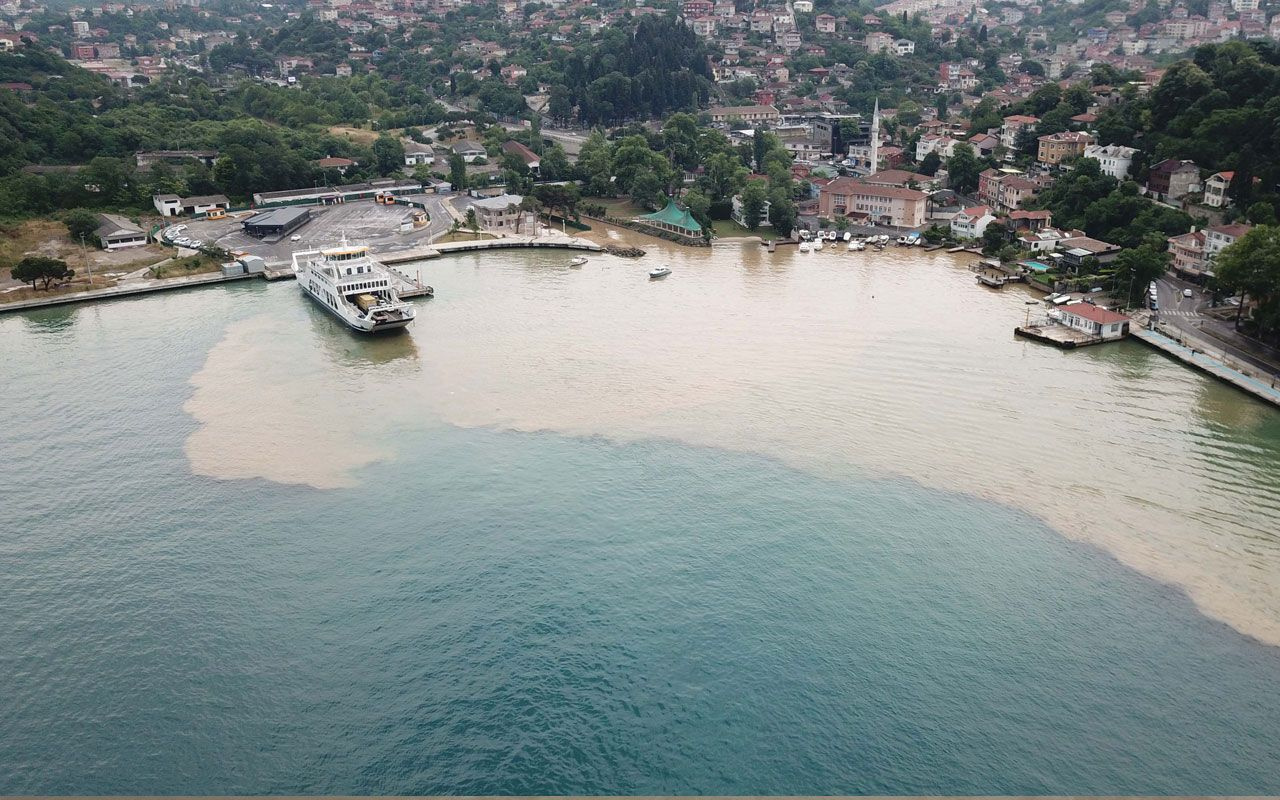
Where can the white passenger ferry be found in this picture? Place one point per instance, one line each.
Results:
(352, 286)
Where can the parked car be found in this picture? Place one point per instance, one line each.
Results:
(1186, 292)
(295, 238)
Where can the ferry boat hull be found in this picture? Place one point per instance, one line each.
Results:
(358, 325)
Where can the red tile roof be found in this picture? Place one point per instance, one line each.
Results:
(1095, 314)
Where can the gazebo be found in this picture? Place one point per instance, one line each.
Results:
(673, 219)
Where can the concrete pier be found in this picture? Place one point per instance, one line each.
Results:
(124, 290)
(1208, 364)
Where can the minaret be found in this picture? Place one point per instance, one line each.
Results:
(875, 139)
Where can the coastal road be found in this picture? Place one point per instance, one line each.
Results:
(1183, 314)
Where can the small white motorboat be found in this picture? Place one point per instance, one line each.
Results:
(817, 245)
(659, 272)
(579, 261)
(848, 235)
(805, 247)
(857, 246)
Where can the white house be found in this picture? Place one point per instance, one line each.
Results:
(416, 153)
(1094, 321)
(1219, 237)
(470, 151)
(740, 213)
(971, 223)
(1216, 188)
(1115, 159)
(1041, 241)
(502, 214)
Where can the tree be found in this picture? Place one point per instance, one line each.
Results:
(554, 164)
(1262, 213)
(994, 238)
(963, 169)
(1136, 268)
(388, 154)
(80, 223)
(754, 196)
(1252, 266)
(698, 204)
(473, 223)
(595, 163)
(558, 197)
(930, 163)
(457, 172)
(782, 212)
(942, 106)
(40, 268)
(647, 190)
(759, 146)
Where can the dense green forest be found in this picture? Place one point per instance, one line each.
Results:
(658, 67)
(268, 135)
(1220, 109)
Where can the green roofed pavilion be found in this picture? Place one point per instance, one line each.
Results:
(674, 219)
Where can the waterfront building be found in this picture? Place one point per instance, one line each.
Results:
(971, 223)
(1095, 321)
(673, 219)
(502, 214)
(875, 205)
(115, 232)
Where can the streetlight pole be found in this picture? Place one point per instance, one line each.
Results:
(84, 256)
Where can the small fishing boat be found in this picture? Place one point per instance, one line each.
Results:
(857, 246)
(579, 261)
(659, 272)
(817, 245)
(848, 235)
(805, 247)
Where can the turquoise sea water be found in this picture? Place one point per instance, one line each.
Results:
(502, 612)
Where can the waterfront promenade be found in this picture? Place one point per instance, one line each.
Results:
(1193, 354)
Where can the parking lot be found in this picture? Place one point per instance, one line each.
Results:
(364, 221)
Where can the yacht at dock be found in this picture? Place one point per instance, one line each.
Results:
(354, 287)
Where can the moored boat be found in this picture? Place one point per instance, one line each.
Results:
(352, 286)
(659, 272)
